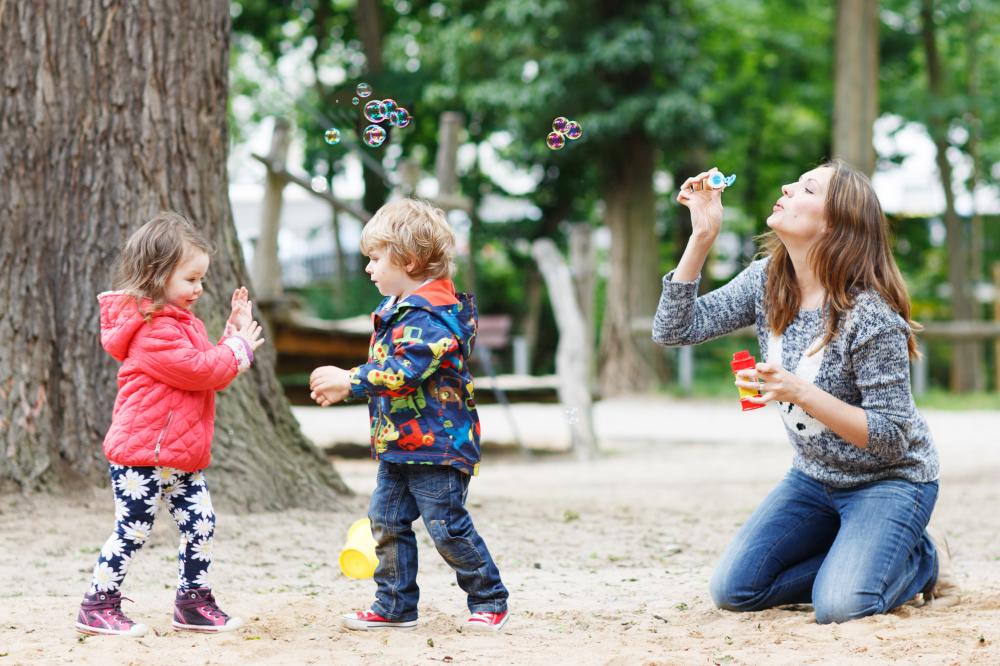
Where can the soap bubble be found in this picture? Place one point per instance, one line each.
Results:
(374, 136)
(573, 130)
(388, 106)
(355, 101)
(318, 184)
(400, 117)
(559, 124)
(730, 179)
(363, 90)
(555, 140)
(375, 111)
(332, 136)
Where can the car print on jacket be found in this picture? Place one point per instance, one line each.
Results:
(417, 381)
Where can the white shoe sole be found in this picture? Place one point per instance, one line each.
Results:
(137, 631)
(364, 625)
(233, 624)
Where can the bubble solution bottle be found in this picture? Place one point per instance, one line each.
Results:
(742, 360)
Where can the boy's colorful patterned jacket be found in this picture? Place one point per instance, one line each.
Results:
(417, 379)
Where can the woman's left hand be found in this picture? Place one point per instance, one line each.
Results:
(774, 382)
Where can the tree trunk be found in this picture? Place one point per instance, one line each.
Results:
(629, 362)
(856, 81)
(107, 116)
(368, 16)
(966, 372)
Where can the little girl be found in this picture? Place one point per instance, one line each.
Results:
(160, 438)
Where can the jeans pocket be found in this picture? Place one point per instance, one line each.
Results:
(430, 481)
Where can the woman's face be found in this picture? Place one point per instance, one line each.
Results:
(799, 216)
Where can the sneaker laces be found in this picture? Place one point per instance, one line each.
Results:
(205, 601)
(112, 607)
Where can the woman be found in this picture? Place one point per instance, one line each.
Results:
(845, 530)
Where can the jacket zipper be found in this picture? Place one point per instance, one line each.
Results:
(159, 440)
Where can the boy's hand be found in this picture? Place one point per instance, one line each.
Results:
(329, 384)
(242, 312)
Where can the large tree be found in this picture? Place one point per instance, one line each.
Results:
(110, 112)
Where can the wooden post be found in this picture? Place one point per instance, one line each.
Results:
(996, 318)
(582, 262)
(340, 279)
(572, 354)
(446, 163)
(266, 268)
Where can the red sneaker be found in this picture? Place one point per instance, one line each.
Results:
(369, 619)
(484, 621)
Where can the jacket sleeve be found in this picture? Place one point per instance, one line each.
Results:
(684, 318)
(164, 352)
(418, 346)
(882, 371)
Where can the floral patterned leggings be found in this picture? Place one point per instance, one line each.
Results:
(138, 492)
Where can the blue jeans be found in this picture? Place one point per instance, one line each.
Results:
(437, 493)
(850, 552)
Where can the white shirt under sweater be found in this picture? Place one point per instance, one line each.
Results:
(866, 365)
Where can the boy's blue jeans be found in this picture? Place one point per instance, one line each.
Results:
(851, 552)
(437, 493)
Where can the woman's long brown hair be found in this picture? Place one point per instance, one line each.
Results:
(854, 255)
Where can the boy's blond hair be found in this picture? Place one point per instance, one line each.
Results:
(410, 230)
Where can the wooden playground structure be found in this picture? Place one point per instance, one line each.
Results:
(304, 342)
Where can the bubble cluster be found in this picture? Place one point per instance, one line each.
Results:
(374, 136)
(563, 128)
(380, 113)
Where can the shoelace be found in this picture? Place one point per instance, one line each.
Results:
(113, 609)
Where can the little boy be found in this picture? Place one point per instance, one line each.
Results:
(424, 425)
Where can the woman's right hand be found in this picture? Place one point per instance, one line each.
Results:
(251, 332)
(705, 205)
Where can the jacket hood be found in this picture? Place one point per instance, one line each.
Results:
(121, 320)
(456, 311)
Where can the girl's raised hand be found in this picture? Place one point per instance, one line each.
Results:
(242, 309)
(251, 332)
(705, 204)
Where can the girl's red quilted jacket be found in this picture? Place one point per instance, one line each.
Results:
(165, 410)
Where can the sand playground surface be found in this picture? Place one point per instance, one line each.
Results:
(607, 561)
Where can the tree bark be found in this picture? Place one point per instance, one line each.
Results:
(966, 372)
(368, 15)
(110, 112)
(629, 362)
(856, 83)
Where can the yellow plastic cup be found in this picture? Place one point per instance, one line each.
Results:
(357, 557)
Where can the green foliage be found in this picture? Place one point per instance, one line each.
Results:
(746, 85)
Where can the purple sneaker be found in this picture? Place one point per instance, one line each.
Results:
(196, 610)
(101, 614)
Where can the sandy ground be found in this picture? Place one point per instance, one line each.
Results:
(607, 561)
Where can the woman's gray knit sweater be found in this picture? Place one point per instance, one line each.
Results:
(865, 365)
